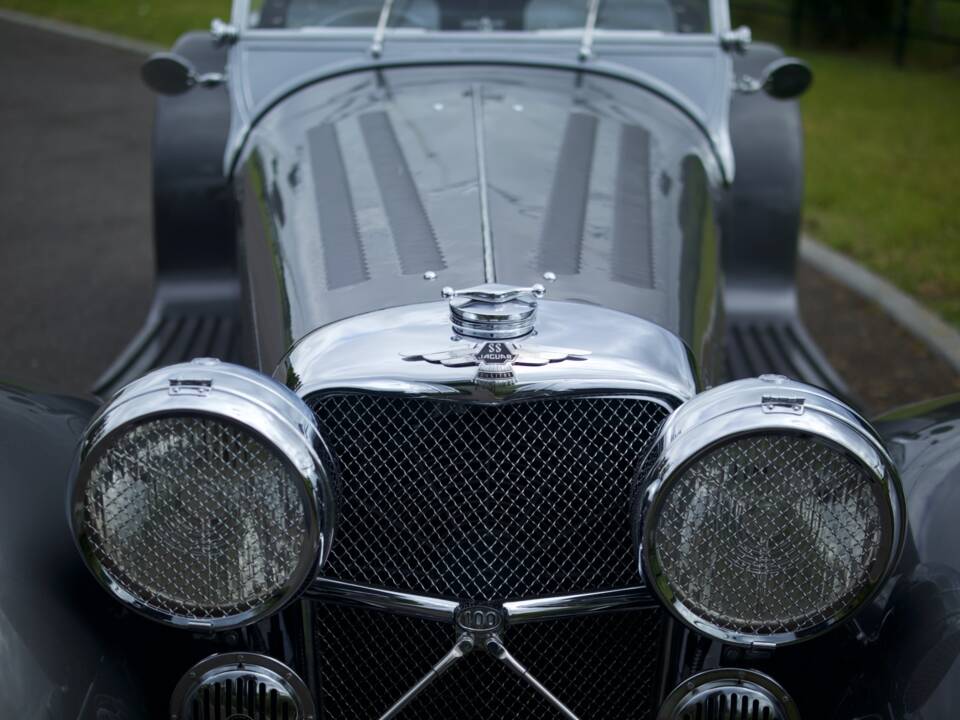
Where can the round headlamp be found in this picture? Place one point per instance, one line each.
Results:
(773, 513)
(203, 496)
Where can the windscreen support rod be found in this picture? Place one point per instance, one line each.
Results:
(586, 45)
(376, 49)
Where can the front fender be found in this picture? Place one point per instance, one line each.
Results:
(916, 626)
(55, 623)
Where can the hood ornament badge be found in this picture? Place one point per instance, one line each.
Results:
(501, 317)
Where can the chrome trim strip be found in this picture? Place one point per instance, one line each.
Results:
(479, 135)
(579, 605)
(366, 354)
(444, 610)
(394, 602)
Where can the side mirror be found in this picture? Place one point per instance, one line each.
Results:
(786, 78)
(172, 74)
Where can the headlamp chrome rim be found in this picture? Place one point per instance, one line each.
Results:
(276, 419)
(736, 411)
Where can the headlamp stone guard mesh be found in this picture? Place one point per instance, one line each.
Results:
(195, 517)
(200, 497)
(782, 532)
(768, 521)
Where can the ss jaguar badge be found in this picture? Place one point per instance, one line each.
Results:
(495, 360)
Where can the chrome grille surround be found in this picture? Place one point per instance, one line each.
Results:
(483, 503)
(774, 513)
(162, 496)
(629, 360)
(486, 502)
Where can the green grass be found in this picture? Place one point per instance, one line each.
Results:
(883, 171)
(159, 21)
(883, 147)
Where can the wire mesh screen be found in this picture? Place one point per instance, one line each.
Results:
(486, 502)
(195, 517)
(772, 534)
(602, 667)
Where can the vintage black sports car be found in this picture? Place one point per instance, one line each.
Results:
(502, 298)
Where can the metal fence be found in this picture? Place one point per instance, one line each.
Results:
(901, 28)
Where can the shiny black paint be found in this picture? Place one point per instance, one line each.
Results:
(68, 651)
(194, 212)
(407, 148)
(50, 647)
(915, 672)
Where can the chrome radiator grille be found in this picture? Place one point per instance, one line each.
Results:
(603, 667)
(483, 502)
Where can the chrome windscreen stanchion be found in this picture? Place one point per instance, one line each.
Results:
(496, 648)
(586, 45)
(376, 48)
(463, 648)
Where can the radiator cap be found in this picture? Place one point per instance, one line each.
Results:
(494, 311)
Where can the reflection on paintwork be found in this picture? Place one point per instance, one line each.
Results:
(410, 201)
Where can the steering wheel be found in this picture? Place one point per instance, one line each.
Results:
(368, 17)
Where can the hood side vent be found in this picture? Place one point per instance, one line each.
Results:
(632, 222)
(343, 256)
(561, 243)
(413, 235)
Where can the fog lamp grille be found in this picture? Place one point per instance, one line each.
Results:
(237, 686)
(729, 694)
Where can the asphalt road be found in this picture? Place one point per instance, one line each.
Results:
(76, 265)
(76, 259)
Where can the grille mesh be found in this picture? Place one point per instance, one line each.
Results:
(194, 517)
(485, 502)
(771, 534)
(602, 667)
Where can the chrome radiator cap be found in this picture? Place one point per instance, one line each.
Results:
(493, 311)
(241, 686)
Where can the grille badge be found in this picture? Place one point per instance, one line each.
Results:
(479, 620)
(495, 360)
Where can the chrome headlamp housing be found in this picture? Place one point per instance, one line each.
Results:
(203, 496)
(773, 513)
